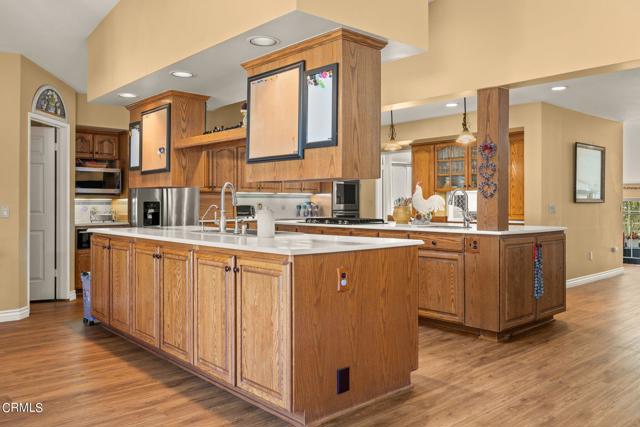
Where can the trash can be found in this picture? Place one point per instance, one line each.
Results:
(87, 318)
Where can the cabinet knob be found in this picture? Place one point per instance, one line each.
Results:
(227, 268)
(236, 270)
(434, 243)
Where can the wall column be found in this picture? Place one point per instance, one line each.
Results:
(493, 159)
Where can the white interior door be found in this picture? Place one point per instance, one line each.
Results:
(42, 233)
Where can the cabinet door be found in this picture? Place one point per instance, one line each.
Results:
(146, 294)
(441, 285)
(310, 187)
(176, 302)
(517, 304)
(243, 184)
(121, 285)
(100, 279)
(451, 166)
(83, 263)
(84, 145)
(263, 328)
(553, 299)
(223, 166)
(291, 187)
(422, 171)
(105, 147)
(516, 176)
(271, 187)
(214, 322)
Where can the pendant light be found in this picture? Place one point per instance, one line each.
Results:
(391, 145)
(465, 137)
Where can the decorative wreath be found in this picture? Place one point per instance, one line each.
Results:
(488, 149)
(487, 170)
(488, 189)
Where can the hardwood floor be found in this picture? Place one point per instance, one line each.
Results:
(582, 370)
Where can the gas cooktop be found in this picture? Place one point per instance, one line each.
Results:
(344, 221)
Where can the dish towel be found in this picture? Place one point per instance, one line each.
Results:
(538, 276)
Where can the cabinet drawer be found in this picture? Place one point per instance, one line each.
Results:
(440, 242)
(289, 228)
(393, 234)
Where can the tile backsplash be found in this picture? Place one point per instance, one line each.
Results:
(282, 205)
(83, 209)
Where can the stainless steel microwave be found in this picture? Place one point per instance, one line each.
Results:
(98, 180)
(346, 196)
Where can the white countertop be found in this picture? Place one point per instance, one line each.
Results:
(436, 228)
(102, 224)
(283, 243)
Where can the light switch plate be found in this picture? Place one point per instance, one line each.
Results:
(4, 212)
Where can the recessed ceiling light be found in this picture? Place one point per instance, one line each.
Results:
(263, 41)
(558, 88)
(182, 74)
(451, 104)
(127, 95)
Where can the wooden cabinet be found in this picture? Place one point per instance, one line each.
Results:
(444, 166)
(84, 145)
(83, 263)
(243, 184)
(105, 147)
(214, 315)
(263, 331)
(176, 301)
(100, 283)
(146, 294)
(223, 166)
(120, 297)
(441, 285)
(516, 176)
(553, 299)
(517, 304)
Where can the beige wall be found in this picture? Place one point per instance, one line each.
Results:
(226, 116)
(119, 52)
(550, 134)
(11, 295)
(477, 44)
(100, 115)
(591, 227)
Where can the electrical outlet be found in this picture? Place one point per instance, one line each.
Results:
(4, 212)
(590, 255)
(343, 279)
(551, 209)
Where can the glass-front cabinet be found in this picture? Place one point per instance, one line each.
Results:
(631, 218)
(456, 166)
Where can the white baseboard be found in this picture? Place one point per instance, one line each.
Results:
(71, 296)
(14, 314)
(583, 280)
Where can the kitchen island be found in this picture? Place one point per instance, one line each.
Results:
(491, 283)
(305, 326)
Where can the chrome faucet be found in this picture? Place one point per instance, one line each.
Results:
(234, 201)
(466, 217)
(215, 216)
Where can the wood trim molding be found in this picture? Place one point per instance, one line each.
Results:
(14, 314)
(590, 278)
(167, 94)
(340, 33)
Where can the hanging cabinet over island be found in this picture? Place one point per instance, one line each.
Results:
(266, 320)
(357, 153)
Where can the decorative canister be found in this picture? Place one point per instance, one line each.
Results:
(402, 214)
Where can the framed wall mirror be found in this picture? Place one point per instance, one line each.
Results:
(589, 180)
(321, 99)
(134, 146)
(274, 114)
(155, 140)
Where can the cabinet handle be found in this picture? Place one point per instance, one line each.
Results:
(434, 243)
(227, 268)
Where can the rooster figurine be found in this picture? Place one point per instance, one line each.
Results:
(428, 206)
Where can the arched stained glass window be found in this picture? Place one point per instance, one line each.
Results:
(50, 102)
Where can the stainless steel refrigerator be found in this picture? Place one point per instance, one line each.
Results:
(164, 207)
